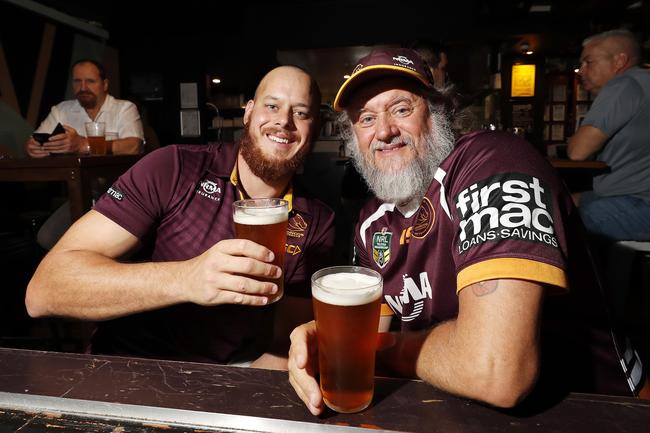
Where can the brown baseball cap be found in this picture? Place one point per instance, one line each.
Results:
(385, 62)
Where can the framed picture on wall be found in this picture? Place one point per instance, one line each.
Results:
(557, 132)
(559, 112)
(559, 92)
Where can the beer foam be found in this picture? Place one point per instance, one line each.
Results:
(260, 216)
(347, 289)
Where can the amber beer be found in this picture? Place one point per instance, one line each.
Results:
(347, 301)
(95, 133)
(97, 145)
(264, 221)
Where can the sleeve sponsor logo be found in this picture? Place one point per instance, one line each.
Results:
(507, 206)
(116, 193)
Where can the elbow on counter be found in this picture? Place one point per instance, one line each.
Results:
(35, 301)
(506, 388)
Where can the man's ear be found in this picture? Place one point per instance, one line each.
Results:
(105, 85)
(248, 110)
(621, 60)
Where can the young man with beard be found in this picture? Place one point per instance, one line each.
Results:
(199, 298)
(480, 250)
(92, 103)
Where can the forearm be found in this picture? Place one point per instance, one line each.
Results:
(127, 146)
(100, 288)
(442, 358)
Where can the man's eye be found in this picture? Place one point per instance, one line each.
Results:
(301, 114)
(402, 111)
(272, 107)
(366, 120)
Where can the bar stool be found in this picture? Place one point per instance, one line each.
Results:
(628, 275)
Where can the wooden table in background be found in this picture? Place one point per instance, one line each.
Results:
(64, 393)
(578, 175)
(77, 171)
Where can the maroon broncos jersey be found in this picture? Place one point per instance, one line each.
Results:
(178, 201)
(497, 209)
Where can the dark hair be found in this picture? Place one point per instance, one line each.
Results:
(99, 66)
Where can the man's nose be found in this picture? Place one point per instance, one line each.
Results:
(283, 118)
(385, 128)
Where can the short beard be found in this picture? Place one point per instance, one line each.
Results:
(269, 168)
(410, 183)
(87, 103)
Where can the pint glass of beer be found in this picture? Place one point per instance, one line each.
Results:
(264, 221)
(96, 140)
(347, 300)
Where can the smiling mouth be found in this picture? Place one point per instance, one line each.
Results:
(390, 147)
(277, 139)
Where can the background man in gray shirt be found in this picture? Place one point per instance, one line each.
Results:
(616, 131)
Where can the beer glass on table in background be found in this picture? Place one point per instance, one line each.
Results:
(110, 136)
(96, 140)
(264, 221)
(347, 301)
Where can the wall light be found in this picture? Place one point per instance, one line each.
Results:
(216, 80)
(345, 77)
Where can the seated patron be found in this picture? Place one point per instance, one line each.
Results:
(92, 103)
(615, 131)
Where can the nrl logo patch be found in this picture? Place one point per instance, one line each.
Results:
(381, 247)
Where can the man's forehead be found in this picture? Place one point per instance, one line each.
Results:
(386, 90)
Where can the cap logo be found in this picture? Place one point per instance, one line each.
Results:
(403, 60)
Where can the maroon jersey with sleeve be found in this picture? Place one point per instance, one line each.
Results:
(178, 201)
(497, 209)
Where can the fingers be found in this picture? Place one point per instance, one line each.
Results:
(242, 290)
(302, 365)
(244, 247)
(243, 257)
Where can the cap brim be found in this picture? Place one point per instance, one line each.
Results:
(369, 73)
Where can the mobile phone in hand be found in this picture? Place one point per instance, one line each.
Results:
(42, 137)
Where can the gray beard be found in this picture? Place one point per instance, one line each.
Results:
(410, 183)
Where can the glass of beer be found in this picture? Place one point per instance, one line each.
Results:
(95, 132)
(347, 300)
(264, 221)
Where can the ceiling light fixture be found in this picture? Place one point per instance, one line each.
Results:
(346, 77)
(216, 80)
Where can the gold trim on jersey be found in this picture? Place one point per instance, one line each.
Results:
(511, 268)
(234, 179)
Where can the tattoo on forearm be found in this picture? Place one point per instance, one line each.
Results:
(483, 288)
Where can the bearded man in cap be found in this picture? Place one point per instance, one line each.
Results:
(480, 250)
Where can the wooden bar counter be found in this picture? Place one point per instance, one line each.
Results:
(57, 392)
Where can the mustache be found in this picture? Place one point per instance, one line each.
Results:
(85, 92)
(381, 145)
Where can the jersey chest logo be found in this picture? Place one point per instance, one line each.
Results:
(424, 220)
(381, 247)
(209, 189)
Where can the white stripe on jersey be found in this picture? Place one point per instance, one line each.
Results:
(381, 210)
(440, 176)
